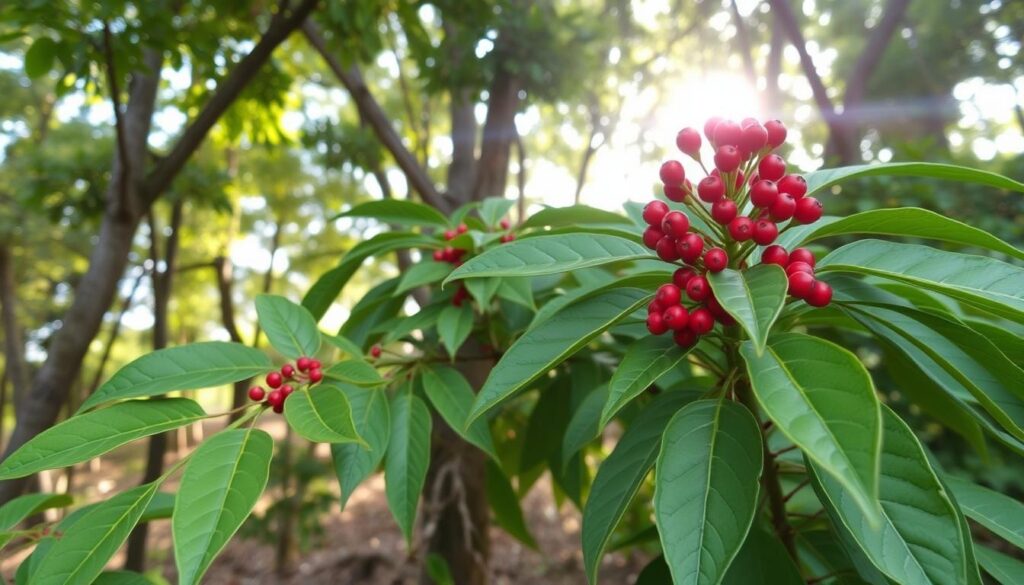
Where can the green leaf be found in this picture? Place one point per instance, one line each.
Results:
(754, 298)
(40, 56)
(290, 328)
(505, 504)
(645, 360)
(454, 325)
(376, 307)
(452, 396)
(818, 180)
(620, 475)
(999, 513)
(121, 578)
(584, 426)
(321, 414)
(399, 212)
(160, 507)
(550, 255)
(186, 367)
(517, 290)
(763, 560)
(706, 488)
(912, 222)
(572, 216)
(79, 556)
(426, 272)
(408, 455)
(424, 319)
(1004, 569)
(492, 209)
(918, 541)
(551, 342)
(438, 571)
(821, 397)
(223, 481)
(88, 435)
(655, 573)
(356, 372)
(342, 343)
(483, 289)
(977, 280)
(372, 416)
(22, 507)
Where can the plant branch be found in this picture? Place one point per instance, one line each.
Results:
(126, 203)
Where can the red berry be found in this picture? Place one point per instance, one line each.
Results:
(820, 294)
(709, 127)
(775, 254)
(275, 398)
(449, 234)
(666, 249)
(795, 267)
(688, 141)
(754, 138)
(676, 317)
(682, 276)
(808, 210)
(652, 236)
(672, 173)
(728, 133)
(438, 256)
(287, 371)
(689, 247)
(741, 229)
(656, 324)
(507, 238)
(668, 295)
(701, 321)
(764, 193)
(463, 228)
(504, 224)
(279, 408)
(716, 259)
(802, 255)
(800, 284)
(303, 363)
(776, 133)
(685, 338)
(375, 351)
(795, 185)
(723, 211)
(460, 296)
(727, 158)
(654, 212)
(655, 307)
(675, 224)
(675, 193)
(698, 288)
(274, 379)
(711, 188)
(315, 364)
(765, 232)
(772, 167)
(256, 393)
(286, 391)
(783, 207)
(315, 375)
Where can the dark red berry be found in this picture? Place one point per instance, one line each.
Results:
(795, 267)
(275, 398)
(776, 133)
(656, 324)
(375, 351)
(808, 210)
(672, 173)
(709, 127)
(460, 296)
(701, 321)
(287, 371)
(765, 232)
(723, 211)
(772, 167)
(716, 259)
(783, 207)
(504, 224)
(438, 256)
(449, 234)
(666, 249)
(775, 254)
(303, 363)
(463, 228)
(741, 229)
(688, 141)
(676, 317)
(287, 390)
(800, 284)
(795, 185)
(764, 193)
(728, 133)
(698, 288)
(675, 224)
(655, 307)
(256, 393)
(685, 338)
(689, 247)
(675, 193)
(820, 294)
(506, 238)
(668, 295)
(274, 379)
(315, 364)
(654, 212)
(279, 408)
(652, 236)
(682, 276)
(754, 138)
(727, 158)
(315, 375)
(711, 188)
(802, 255)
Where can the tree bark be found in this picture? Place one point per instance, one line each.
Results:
(773, 69)
(498, 135)
(224, 270)
(15, 367)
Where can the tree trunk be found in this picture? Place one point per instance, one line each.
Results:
(15, 368)
(224, 270)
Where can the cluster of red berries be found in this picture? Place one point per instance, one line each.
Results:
(306, 370)
(799, 265)
(455, 256)
(743, 212)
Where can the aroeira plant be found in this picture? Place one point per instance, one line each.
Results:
(713, 327)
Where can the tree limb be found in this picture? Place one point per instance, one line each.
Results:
(126, 203)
